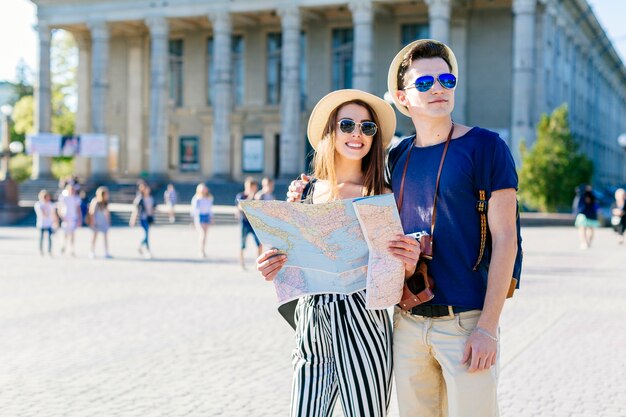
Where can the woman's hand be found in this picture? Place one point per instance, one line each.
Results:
(269, 263)
(407, 249)
(294, 195)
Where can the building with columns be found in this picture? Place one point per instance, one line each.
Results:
(190, 89)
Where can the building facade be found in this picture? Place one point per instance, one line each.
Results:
(190, 89)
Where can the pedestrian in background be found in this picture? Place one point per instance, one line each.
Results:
(250, 188)
(143, 210)
(68, 207)
(587, 217)
(618, 214)
(46, 219)
(170, 198)
(267, 190)
(202, 214)
(100, 220)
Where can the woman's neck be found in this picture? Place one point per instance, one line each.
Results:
(432, 131)
(348, 171)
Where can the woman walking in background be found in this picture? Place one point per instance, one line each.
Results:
(69, 211)
(587, 217)
(618, 214)
(143, 209)
(202, 214)
(100, 220)
(46, 219)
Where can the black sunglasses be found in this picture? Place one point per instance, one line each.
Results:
(426, 82)
(348, 126)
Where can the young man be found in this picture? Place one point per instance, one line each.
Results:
(446, 350)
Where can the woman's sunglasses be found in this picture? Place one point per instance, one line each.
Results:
(348, 126)
(426, 82)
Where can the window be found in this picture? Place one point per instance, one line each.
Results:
(414, 31)
(176, 71)
(237, 69)
(274, 67)
(342, 46)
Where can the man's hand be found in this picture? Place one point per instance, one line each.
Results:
(296, 188)
(406, 249)
(269, 263)
(481, 351)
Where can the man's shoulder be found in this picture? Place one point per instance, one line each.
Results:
(399, 148)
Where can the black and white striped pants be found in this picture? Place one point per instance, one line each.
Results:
(344, 350)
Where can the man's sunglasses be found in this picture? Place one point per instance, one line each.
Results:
(426, 82)
(348, 126)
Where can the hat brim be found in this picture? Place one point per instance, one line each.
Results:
(320, 114)
(392, 76)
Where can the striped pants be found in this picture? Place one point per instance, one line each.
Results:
(343, 350)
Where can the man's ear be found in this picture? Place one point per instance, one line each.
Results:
(402, 98)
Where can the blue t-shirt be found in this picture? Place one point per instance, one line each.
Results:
(456, 240)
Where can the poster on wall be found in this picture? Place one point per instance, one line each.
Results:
(189, 154)
(252, 153)
(70, 146)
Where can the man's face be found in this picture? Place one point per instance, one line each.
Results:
(436, 102)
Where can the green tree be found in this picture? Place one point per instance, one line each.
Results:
(553, 167)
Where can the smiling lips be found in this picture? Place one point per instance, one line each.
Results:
(438, 101)
(354, 145)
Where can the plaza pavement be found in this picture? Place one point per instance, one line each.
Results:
(181, 336)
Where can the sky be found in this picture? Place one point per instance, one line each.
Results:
(18, 39)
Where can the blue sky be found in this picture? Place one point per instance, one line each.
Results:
(18, 39)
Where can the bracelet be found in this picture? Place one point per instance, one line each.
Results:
(486, 333)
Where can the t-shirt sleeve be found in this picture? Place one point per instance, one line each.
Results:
(503, 173)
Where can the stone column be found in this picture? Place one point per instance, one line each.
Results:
(523, 75)
(43, 100)
(439, 17)
(133, 149)
(362, 17)
(100, 36)
(159, 95)
(83, 110)
(222, 94)
(291, 153)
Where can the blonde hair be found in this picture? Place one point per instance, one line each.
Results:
(372, 164)
(43, 194)
(200, 193)
(101, 200)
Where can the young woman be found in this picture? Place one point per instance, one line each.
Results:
(587, 217)
(202, 214)
(143, 209)
(46, 219)
(100, 220)
(342, 349)
(68, 207)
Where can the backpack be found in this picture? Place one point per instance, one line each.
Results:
(482, 184)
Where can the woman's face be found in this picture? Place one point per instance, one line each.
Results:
(354, 145)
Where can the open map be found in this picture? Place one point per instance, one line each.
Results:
(338, 247)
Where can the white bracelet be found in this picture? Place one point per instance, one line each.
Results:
(486, 333)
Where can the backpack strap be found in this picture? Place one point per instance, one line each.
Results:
(482, 184)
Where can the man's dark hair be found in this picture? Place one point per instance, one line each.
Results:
(428, 49)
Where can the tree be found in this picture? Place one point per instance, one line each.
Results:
(553, 167)
(22, 87)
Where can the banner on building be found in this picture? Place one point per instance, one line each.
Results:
(51, 144)
(189, 159)
(253, 154)
(44, 144)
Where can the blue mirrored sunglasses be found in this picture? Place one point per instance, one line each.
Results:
(426, 82)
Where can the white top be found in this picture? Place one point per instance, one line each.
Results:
(45, 214)
(69, 206)
(201, 205)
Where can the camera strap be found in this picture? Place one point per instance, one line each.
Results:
(406, 166)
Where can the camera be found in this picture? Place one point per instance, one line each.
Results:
(426, 244)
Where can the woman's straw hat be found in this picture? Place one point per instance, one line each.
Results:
(386, 117)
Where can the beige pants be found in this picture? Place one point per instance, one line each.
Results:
(431, 381)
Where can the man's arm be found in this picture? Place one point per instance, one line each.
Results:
(501, 217)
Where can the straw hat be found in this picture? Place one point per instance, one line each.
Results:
(392, 76)
(319, 116)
